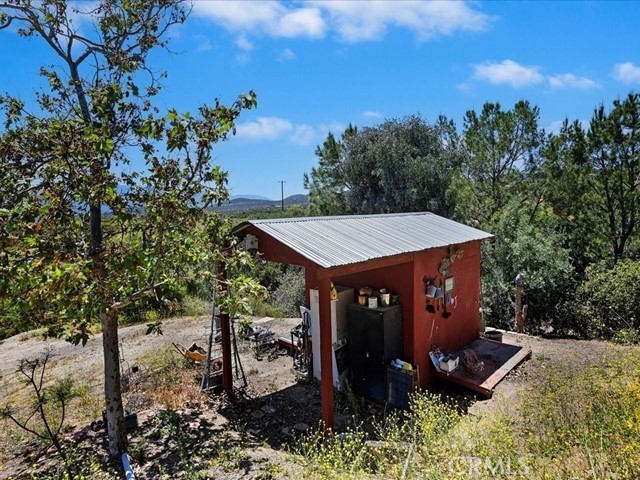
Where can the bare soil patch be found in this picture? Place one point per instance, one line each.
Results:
(246, 436)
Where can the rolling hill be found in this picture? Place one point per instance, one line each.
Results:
(238, 204)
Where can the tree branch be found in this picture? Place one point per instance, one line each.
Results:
(136, 296)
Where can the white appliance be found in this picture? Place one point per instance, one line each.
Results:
(338, 332)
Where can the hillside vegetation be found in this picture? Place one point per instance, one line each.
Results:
(564, 206)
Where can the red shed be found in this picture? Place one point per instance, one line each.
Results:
(404, 253)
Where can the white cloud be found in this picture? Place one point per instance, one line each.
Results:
(626, 73)
(81, 13)
(356, 21)
(243, 58)
(243, 43)
(569, 80)
(372, 114)
(515, 75)
(507, 72)
(556, 125)
(353, 21)
(335, 127)
(264, 128)
(266, 17)
(303, 135)
(274, 128)
(205, 45)
(286, 54)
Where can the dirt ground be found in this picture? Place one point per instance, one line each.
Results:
(260, 422)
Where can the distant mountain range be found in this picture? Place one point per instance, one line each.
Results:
(239, 203)
(248, 197)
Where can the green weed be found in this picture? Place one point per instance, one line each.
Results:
(582, 422)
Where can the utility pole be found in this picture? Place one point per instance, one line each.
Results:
(282, 182)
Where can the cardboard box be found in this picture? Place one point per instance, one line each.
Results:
(450, 365)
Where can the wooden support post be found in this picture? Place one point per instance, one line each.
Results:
(227, 371)
(309, 282)
(519, 315)
(326, 354)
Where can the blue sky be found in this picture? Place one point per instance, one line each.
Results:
(317, 66)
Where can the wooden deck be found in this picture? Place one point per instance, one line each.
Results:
(499, 359)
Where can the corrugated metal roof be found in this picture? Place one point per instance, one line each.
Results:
(342, 240)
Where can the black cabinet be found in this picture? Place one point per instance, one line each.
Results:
(375, 338)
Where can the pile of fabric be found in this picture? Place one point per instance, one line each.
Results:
(471, 363)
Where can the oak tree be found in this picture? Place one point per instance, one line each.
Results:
(84, 232)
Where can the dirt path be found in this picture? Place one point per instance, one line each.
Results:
(66, 359)
(85, 364)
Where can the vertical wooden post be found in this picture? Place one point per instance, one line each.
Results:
(227, 371)
(309, 282)
(326, 354)
(519, 316)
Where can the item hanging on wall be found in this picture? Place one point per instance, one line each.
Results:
(448, 284)
(446, 314)
(434, 295)
(431, 304)
(428, 281)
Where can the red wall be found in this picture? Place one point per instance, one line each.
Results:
(423, 330)
(432, 329)
(397, 279)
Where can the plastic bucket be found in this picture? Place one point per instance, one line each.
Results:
(494, 335)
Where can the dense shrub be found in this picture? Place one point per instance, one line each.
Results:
(269, 274)
(533, 249)
(290, 294)
(609, 301)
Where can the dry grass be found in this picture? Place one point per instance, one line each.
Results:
(169, 379)
(579, 422)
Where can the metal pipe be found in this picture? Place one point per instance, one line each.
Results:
(204, 384)
(128, 470)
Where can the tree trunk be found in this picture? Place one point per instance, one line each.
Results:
(116, 433)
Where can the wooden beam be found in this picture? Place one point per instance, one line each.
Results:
(499, 374)
(487, 385)
(326, 354)
(343, 270)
